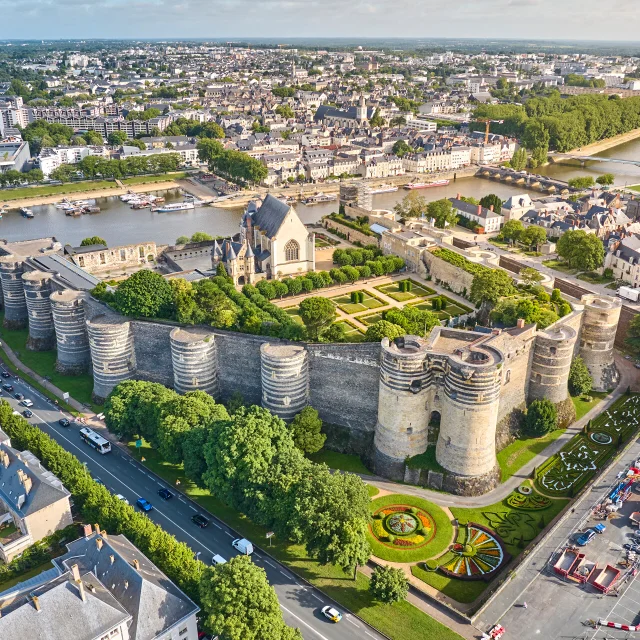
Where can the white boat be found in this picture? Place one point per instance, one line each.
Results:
(26, 213)
(426, 185)
(176, 206)
(383, 188)
(319, 198)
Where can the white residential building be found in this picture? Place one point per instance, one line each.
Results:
(51, 158)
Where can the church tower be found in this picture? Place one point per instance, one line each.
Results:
(361, 110)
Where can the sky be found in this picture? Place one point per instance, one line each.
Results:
(531, 19)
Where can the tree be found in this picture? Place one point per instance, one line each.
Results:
(388, 584)
(519, 160)
(442, 212)
(400, 147)
(209, 149)
(582, 182)
(512, 230)
(117, 138)
(317, 315)
(376, 119)
(145, 294)
(87, 242)
(413, 205)
(605, 179)
(533, 236)
(306, 431)
(581, 250)
(489, 285)
(492, 200)
(542, 418)
(201, 236)
(239, 603)
(182, 239)
(414, 321)
(93, 138)
(285, 111)
(580, 380)
(530, 276)
(383, 329)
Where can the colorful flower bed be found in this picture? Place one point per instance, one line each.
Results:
(477, 558)
(566, 472)
(408, 529)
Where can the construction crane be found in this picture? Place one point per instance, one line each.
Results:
(488, 122)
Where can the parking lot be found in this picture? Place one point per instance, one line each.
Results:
(559, 607)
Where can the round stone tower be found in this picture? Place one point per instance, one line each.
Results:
(15, 305)
(195, 366)
(37, 290)
(112, 354)
(552, 356)
(599, 326)
(284, 372)
(467, 441)
(403, 421)
(74, 354)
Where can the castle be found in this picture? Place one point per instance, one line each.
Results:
(381, 401)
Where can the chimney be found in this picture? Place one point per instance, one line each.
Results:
(112, 558)
(4, 458)
(458, 196)
(136, 564)
(88, 530)
(28, 483)
(491, 208)
(97, 528)
(75, 572)
(36, 603)
(99, 543)
(479, 209)
(520, 323)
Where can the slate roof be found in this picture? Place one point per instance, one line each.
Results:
(270, 216)
(154, 602)
(63, 613)
(350, 112)
(629, 248)
(45, 490)
(472, 209)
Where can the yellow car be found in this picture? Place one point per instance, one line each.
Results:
(331, 614)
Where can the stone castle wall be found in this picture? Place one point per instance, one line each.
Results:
(458, 279)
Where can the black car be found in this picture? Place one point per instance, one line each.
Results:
(18, 396)
(7, 387)
(201, 521)
(27, 414)
(165, 494)
(63, 422)
(5, 374)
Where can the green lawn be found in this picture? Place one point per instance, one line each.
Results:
(398, 621)
(341, 461)
(43, 363)
(351, 331)
(345, 304)
(157, 178)
(393, 290)
(453, 309)
(514, 456)
(294, 313)
(464, 591)
(7, 530)
(592, 277)
(635, 187)
(373, 491)
(54, 190)
(369, 319)
(439, 543)
(426, 460)
(583, 407)
(559, 265)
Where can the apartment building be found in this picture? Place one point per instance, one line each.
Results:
(623, 258)
(51, 158)
(485, 218)
(14, 155)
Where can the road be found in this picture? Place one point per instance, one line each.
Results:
(121, 474)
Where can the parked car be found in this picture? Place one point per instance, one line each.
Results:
(5, 374)
(143, 504)
(27, 414)
(63, 422)
(165, 494)
(331, 613)
(27, 403)
(121, 497)
(201, 521)
(217, 559)
(243, 546)
(18, 396)
(586, 537)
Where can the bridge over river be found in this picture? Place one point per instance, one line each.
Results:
(526, 180)
(558, 157)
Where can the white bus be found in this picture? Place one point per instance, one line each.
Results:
(94, 440)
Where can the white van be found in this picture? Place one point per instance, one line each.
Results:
(217, 559)
(243, 546)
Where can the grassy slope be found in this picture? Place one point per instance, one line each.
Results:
(62, 189)
(582, 407)
(514, 456)
(163, 177)
(398, 621)
(341, 461)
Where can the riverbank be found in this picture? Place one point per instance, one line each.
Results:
(15, 198)
(603, 145)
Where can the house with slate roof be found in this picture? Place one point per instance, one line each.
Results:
(349, 117)
(33, 502)
(273, 243)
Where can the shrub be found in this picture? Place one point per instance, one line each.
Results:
(542, 417)
(389, 584)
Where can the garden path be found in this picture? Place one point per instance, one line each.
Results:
(629, 378)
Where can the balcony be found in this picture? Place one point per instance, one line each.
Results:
(12, 541)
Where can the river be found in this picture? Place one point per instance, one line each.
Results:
(625, 174)
(118, 224)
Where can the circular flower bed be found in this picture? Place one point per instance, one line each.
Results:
(601, 438)
(525, 489)
(408, 529)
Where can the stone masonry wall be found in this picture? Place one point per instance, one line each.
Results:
(153, 352)
(458, 279)
(627, 314)
(352, 234)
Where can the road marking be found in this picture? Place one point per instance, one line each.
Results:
(355, 624)
(270, 563)
(217, 525)
(369, 634)
(284, 574)
(304, 623)
(192, 507)
(257, 555)
(229, 534)
(317, 597)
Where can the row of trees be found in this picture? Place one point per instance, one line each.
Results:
(97, 166)
(190, 127)
(563, 124)
(13, 178)
(250, 461)
(235, 165)
(209, 587)
(514, 231)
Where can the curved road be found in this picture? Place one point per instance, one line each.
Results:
(121, 474)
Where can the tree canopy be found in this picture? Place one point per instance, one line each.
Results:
(306, 431)
(580, 380)
(146, 294)
(581, 250)
(87, 242)
(317, 314)
(413, 205)
(442, 212)
(542, 418)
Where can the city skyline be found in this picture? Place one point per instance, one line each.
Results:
(495, 19)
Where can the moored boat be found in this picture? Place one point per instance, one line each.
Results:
(426, 185)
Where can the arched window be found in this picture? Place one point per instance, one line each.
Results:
(291, 251)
